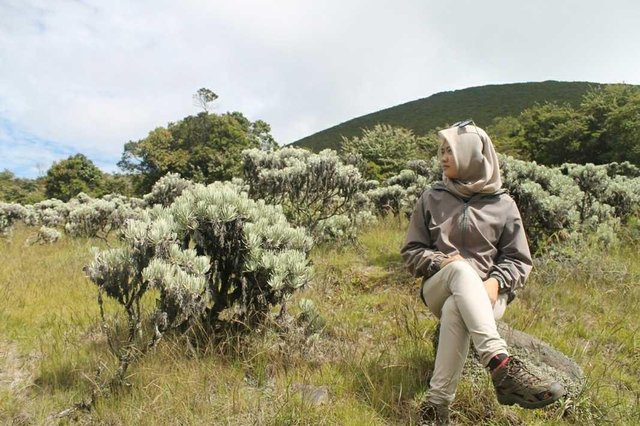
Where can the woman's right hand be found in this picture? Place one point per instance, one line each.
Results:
(448, 260)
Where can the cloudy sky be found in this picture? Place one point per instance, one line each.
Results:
(89, 75)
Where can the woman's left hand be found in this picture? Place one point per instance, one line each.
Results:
(492, 287)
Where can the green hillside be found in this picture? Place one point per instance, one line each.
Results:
(482, 103)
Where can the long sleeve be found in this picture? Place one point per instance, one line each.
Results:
(418, 252)
(513, 263)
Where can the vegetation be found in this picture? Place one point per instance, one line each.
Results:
(21, 191)
(197, 278)
(483, 104)
(383, 151)
(67, 178)
(372, 349)
(604, 128)
(316, 191)
(204, 148)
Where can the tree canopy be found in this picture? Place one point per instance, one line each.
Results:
(604, 128)
(67, 178)
(19, 190)
(204, 148)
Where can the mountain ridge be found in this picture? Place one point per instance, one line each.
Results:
(482, 103)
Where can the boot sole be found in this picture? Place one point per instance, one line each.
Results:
(506, 400)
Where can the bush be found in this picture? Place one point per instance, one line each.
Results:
(9, 214)
(167, 189)
(255, 259)
(311, 188)
(399, 194)
(45, 235)
(90, 217)
(548, 201)
(598, 186)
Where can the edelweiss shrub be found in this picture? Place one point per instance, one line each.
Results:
(430, 169)
(51, 213)
(132, 202)
(387, 199)
(257, 257)
(399, 194)
(9, 214)
(150, 258)
(625, 169)
(311, 188)
(623, 194)
(45, 235)
(211, 250)
(620, 192)
(592, 181)
(89, 217)
(342, 228)
(167, 189)
(548, 201)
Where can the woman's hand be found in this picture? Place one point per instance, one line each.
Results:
(492, 287)
(448, 260)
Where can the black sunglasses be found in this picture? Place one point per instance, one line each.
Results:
(464, 123)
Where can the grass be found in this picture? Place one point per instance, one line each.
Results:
(372, 351)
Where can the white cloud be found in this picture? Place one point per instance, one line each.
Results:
(90, 75)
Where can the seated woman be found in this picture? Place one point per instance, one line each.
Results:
(467, 241)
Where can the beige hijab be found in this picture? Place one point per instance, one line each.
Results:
(476, 160)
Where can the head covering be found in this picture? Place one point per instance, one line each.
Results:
(475, 159)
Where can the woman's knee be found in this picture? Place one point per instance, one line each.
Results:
(461, 270)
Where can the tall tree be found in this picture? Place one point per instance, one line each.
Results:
(203, 97)
(67, 178)
(605, 127)
(204, 148)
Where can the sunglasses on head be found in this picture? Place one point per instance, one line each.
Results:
(464, 123)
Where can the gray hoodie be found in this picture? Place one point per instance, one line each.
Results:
(485, 229)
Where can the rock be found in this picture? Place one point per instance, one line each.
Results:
(540, 357)
(540, 352)
(543, 360)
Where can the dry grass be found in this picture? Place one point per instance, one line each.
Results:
(372, 349)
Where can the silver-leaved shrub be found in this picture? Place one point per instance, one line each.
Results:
(212, 250)
(9, 215)
(167, 189)
(311, 188)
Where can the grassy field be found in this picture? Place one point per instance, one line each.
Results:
(366, 356)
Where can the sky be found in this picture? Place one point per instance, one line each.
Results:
(87, 76)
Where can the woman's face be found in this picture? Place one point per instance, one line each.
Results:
(448, 164)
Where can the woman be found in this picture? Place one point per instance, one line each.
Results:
(467, 241)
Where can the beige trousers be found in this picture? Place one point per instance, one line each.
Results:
(457, 296)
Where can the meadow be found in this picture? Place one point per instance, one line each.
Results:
(362, 356)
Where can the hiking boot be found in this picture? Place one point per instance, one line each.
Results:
(432, 414)
(515, 384)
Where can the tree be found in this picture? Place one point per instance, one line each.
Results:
(203, 97)
(67, 178)
(613, 117)
(20, 190)
(505, 132)
(385, 149)
(552, 134)
(204, 148)
(605, 127)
